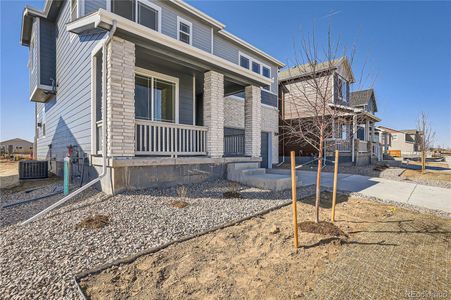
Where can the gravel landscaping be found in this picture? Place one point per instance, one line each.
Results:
(40, 259)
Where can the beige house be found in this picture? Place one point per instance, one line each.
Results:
(405, 141)
(16, 146)
(353, 131)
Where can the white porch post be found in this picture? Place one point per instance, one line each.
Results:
(354, 137)
(252, 121)
(214, 112)
(371, 138)
(120, 98)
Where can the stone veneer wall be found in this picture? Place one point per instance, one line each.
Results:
(252, 121)
(120, 97)
(214, 112)
(234, 118)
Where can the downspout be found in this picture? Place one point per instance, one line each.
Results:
(104, 140)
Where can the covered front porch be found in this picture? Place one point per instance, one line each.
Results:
(354, 137)
(162, 105)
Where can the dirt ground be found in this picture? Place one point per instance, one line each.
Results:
(8, 167)
(256, 260)
(415, 175)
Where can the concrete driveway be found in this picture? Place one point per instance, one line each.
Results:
(404, 192)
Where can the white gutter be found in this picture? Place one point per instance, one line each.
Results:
(104, 146)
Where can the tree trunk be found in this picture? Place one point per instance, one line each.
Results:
(318, 179)
(423, 161)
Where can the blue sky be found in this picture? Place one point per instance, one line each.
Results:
(406, 47)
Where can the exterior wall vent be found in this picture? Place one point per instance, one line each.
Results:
(33, 169)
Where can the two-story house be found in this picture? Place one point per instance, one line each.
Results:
(151, 92)
(352, 130)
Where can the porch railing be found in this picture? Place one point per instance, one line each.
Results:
(234, 145)
(159, 138)
(337, 144)
(362, 146)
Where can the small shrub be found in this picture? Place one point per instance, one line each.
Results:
(233, 191)
(179, 204)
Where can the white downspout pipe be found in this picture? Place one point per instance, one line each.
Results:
(104, 141)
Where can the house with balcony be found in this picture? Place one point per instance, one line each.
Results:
(304, 88)
(158, 88)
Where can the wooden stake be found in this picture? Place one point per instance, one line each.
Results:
(334, 194)
(293, 198)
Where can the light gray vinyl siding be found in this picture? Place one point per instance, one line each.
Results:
(93, 5)
(201, 32)
(228, 50)
(47, 52)
(68, 115)
(33, 57)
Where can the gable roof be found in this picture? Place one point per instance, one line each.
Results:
(311, 68)
(16, 140)
(359, 98)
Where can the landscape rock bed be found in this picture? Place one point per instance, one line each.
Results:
(40, 259)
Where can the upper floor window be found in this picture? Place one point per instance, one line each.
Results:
(342, 89)
(141, 11)
(244, 61)
(256, 67)
(266, 71)
(184, 31)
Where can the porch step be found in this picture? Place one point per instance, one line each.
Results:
(258, 177)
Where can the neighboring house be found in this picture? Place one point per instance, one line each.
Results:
(184, 97)
(353, 138)
(408, 142)
(16, 146)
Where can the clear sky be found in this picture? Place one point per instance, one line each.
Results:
(406, 47)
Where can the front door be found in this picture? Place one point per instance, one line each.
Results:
(266, 150)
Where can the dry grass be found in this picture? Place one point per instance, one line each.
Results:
(429, 175)
(179, 204)
(96, 221)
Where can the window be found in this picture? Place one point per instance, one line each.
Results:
(244, 61)
(156, 97)
(256, 67)
(266, 71)
(342, 86)
(142, 12)
(184, 31)
(148, 14)
(73, 9)
(124, 8)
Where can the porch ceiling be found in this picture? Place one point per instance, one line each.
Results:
(169, 47)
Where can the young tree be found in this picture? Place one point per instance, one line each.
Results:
(426, 136)
(314, 115)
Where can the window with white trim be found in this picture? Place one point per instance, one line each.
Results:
(148, 14)
(266, 71)
(155, 98)
(245, 61)
(184, 31)
(256, 67)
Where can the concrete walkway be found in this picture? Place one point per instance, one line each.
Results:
(397, 191)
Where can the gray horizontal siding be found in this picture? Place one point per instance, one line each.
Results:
(47, 52)
(68, 116)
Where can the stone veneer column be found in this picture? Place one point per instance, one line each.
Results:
(120, 97)
(252, 121)
(214, 112)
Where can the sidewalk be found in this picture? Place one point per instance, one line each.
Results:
(389, 190)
